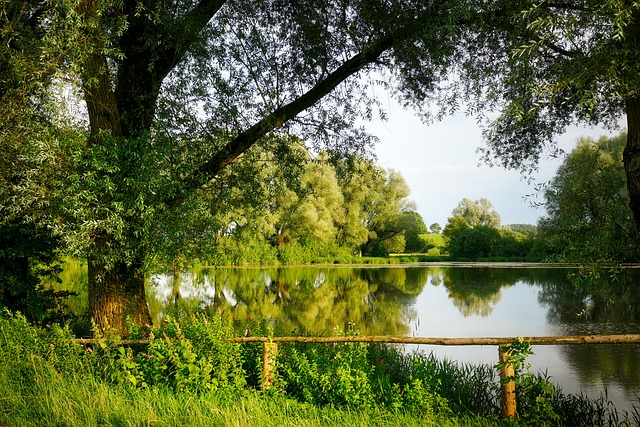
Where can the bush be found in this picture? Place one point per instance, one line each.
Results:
(335, 374)
(189, 357)
(188, 354)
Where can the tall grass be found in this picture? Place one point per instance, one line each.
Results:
(46, 379)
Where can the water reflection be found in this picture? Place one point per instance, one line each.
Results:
(306, 301)
(428, 301)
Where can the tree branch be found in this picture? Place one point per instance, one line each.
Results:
(187, 33)
(246, 139)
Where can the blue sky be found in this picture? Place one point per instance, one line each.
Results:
(440, 163)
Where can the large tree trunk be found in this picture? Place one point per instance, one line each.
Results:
(117, 294)
(632, 156)
(116, 285)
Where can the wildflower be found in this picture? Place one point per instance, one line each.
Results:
(247, 332)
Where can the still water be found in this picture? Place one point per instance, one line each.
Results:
(439, 301)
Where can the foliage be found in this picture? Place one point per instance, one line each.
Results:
(47, 378)
(587, 203)
(474, 233)
(27, 255)
(189, 355)
(329, 376)
(434, 243)
(413, 226)
(323, 214)
(359, 375)
(475, 243)
(535, 394)
(548, 67)
(529, 230)
(477, 213)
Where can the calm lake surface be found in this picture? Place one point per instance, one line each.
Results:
(443, 301)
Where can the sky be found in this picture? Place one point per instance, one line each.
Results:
(441, 165)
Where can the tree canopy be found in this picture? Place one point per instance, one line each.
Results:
(587, 203)
(474, 232)
(478, 212)
(173, 92)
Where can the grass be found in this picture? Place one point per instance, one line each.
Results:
(191, 376)
(72, 400)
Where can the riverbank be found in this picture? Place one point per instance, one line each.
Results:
(189, 374)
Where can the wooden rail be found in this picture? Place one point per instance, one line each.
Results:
(509, 405)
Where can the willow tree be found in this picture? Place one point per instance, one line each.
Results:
(176, 91)
(555, 64)
(587, 204)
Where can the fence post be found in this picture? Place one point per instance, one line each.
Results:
(269, 353)
(507, 384)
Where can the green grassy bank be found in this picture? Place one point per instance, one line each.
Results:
(190, 375)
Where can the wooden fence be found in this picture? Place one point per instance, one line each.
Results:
(509, 405)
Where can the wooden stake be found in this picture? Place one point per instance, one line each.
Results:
(507, 385)
(269, 353)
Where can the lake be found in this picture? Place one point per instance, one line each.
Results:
(439, 301)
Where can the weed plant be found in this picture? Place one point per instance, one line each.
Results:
(190, 374)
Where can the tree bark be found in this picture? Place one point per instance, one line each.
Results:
(631, 156)
(116, 287)
(117, 294)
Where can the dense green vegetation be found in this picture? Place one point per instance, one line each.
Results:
(145, 135)
(324, 212)
(189, 375)
(588, 215)
(120, 118)
(474, 233)
(587, 203)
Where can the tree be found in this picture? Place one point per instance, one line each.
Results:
(476, 213)
(177, 91)
(413, 226)
(456, 225)
(587, 203)
(435, 228)
(385, 201)
(474, 232)
(475, 243)
(34, 151)
(552, 64)
(525, 229)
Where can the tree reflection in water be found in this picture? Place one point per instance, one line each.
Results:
(305, 301)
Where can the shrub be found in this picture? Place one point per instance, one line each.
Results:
(335, 374)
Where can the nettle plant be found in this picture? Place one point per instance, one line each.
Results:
(187, 354)
(535, 393)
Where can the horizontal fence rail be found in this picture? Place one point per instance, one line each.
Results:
(537, 340)
(541, 340)
(507, 384)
